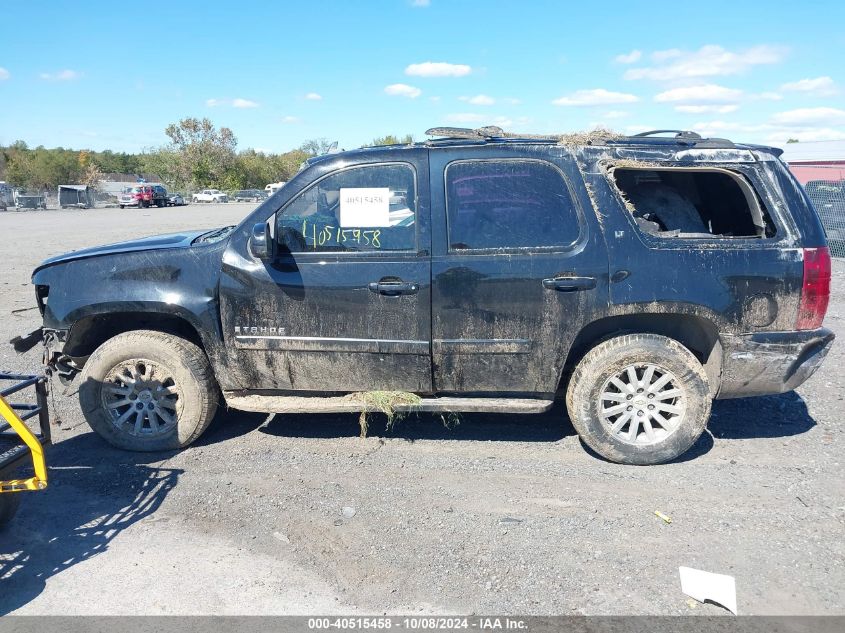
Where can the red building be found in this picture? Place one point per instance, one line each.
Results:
(817, 160)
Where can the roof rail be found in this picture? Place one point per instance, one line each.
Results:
(495, 133)
(490, 131)
(678, 134)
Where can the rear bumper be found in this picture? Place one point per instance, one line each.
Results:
(770, 362)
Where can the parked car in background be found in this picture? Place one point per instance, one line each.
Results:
(273, 187)
(210, 195)
(176, 200)
(143, 196)
(249, 195)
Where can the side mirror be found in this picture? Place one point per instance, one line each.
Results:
(261, 242)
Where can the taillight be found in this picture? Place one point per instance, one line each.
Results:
(815, 293)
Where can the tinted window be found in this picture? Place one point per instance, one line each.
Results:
(370, 208)
(508, 204)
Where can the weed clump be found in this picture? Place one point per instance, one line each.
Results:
(384, 402)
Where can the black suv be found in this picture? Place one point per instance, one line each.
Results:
(638, 277)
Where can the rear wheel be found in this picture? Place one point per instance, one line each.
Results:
(148, 391)
(639, 399)
(9, 503)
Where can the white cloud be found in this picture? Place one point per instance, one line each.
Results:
(438, 69)
(708, 61)
(597, 96)
(513, 101)
(629, 58)
(434, 99)
(806, 134)
(614, 114)
(244, 103)
(62, 75)
(770, 96)
(234, 103)
(819, 86)
(465, 117)
(482, 100)
(810, 116)
(663, 56)
(313, 96)
(769, 132)
(503, 122)
(420, 3)
(290, 120)
(403, 90)
(693, 95)
(4, 74)
(707, 109)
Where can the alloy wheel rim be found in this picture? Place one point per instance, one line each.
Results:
(643, 404)
(141, 398)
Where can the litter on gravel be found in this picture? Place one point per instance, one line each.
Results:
(704, 585)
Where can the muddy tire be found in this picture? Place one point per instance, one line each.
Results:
(639, 399)
(148, 391)
(9, 502)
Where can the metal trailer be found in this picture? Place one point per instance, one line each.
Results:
(76, 196)
(18, 443)
(30, 201)
(7, 196)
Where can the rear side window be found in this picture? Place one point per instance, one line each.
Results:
(693, 203)
(495, 204)
(369, 208)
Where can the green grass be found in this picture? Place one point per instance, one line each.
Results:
(385, 402)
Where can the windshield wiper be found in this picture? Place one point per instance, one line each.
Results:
(214, 236)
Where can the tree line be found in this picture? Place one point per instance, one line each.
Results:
(197, 156)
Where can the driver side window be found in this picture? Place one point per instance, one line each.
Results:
(363, 209)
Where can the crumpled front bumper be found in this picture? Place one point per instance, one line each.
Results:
(56, 362)
(767, 363)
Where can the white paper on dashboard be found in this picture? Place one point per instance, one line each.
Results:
(365, 207)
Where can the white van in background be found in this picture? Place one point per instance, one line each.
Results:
(273, 187)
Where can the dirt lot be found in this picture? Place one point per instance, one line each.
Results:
(504, 514)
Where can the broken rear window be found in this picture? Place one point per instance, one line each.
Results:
(693, 202)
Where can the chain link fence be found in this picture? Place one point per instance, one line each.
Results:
(825, 186)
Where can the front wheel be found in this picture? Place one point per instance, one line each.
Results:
(639, 399)
(148, 391)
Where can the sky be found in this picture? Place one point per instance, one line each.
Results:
(105, 75)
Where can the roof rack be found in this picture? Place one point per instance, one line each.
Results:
(687, 134)
(490, 131)
(495, 133)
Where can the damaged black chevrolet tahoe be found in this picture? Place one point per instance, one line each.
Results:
(638, 277)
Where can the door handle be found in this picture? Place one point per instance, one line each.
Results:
(393, 288)
(569, 284)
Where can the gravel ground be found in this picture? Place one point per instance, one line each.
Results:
(503, 514)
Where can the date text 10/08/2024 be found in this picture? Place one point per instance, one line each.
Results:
(420, 623)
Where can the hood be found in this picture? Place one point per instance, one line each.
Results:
(157, 242)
